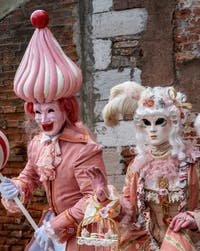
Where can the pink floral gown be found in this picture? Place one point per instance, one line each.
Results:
(157, 189)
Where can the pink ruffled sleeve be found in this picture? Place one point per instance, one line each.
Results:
(28, 179)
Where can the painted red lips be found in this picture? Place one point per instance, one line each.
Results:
(47, 127)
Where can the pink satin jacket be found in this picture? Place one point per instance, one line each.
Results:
(68, 187)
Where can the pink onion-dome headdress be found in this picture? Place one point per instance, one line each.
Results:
(45, 73)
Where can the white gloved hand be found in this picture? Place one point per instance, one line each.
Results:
(8, 189)
(43, 239)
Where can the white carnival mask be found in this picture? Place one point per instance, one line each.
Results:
(49, 117)
(157, 129)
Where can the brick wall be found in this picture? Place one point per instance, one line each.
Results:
(152, 42)
(15, 33)
(187, 49)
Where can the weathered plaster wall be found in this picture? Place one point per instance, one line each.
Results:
(151, 42)
(9, 5)
(129, 40)
(114, 37)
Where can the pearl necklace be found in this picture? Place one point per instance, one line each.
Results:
(160, 151)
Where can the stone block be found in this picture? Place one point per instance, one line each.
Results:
(98, 108)
(131, 21)
(101, 6)
(121, 135)
(137, 75)
(112, 158)
(102, 53)
(104, 80)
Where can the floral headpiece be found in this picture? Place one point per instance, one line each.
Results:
(130, 97)
(163, 97)
(45, 73)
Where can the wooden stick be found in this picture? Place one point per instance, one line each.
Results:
(24, 211)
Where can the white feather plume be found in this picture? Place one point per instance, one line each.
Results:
(123, 100)
(197, 124)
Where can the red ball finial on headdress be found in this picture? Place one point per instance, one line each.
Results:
(39, 19)
(45, 73)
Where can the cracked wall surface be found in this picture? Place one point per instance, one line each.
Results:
(151, 42)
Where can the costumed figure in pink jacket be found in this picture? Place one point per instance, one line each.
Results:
(160, 200)
(58, 156)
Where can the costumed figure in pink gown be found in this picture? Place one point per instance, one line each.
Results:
(47, 80)
(160, 200)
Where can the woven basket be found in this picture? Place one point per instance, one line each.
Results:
(103, 232)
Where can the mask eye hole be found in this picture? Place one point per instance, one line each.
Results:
(146, 122)
(37, 112)
(50, 110)
(161, 121)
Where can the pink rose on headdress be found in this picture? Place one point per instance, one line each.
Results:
(148, 102)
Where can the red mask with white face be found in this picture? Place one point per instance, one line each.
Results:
(49, 117)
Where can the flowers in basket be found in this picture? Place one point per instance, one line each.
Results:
(98, 228)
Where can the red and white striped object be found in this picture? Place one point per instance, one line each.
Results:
(4, 149)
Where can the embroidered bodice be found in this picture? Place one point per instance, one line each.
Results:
(153, 196)
(161, 178)
(163, 198)
(162, 189)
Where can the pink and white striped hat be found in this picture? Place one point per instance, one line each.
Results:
(4, 149)
(45, 73)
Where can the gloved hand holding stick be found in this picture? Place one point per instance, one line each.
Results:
(13, 193)
(4, 154)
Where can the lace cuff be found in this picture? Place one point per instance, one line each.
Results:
(51, 233)
(196, 215)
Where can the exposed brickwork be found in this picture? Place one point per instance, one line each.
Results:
(15, 33)
(126, 51)
(187, 56)
(166, 52)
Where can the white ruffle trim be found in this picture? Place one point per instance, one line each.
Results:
(50, 231)
(154, 196)
(96, 241)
